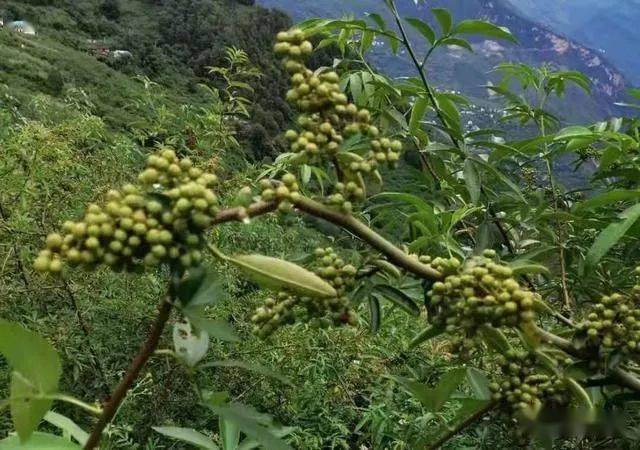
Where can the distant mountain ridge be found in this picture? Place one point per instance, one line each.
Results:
(467, 73)
(606, 25)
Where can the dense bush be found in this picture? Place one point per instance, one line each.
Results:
(489, 289)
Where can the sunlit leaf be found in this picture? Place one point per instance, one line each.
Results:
(38, 441)
(252, 367)
(482, 28)
(444, 19)
(188, 435)
(36, 371)
(279, 274)
(610, 236)
(423, 28)
(68, 426)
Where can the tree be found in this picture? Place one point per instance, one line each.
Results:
(111, 9)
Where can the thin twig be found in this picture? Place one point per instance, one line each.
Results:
(145, 352)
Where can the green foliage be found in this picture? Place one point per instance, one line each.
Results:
(421, 195)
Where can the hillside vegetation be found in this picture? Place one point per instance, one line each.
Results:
(246, 236)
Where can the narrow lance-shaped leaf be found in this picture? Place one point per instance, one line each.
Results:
(423, 28)
(472, 180)
(252, 367)
(38, 441)
(495, 339)
(428, 333)
(417, 113)
(68, 426)
(610, 236)
(444, 19)
(482, 28)
(374, 312)
(398, 297)
(280, 274)
(188, 435)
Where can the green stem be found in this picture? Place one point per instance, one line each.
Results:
(420, 68)
(347, 222)
(623, 377)
(350, 223)
(451, 432)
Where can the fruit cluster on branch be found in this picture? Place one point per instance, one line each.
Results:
(476, 293)
(523, 387)
(613, 323)
(327, 119)
(160, 219)
(286, 309)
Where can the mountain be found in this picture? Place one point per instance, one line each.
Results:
(607, 25)
(455, 69)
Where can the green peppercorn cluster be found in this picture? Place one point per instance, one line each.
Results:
(327, 118)
(334, 269)
(160, 219)
(284, 192)
(522, 386)
(614, 323)
(284, 309)
(479, 292)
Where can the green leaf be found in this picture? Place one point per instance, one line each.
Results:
(253, 424)
(253, 367)
(444, 19)
(374, 312)
(279, 274)
(38, 441)
(610, 236)
(189, 286)
(36, 372)
(423, 28)
(606, 198)
(572, 132)
(229, 434)
(215, 328)
(188, 435)
(420, 204)
(377, 18)
(428, 333)
(434, 398)
(417, 113)
(211, 290)
(398, 297)
(469, 407)
(502, 177)
(366, 41)
(68, 426)
(472, 180)
(455, 42)
(495, 339)
(479, 383)
(482, 28)
(581, 396)
(523, 266)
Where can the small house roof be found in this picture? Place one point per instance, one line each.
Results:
(22, 26)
